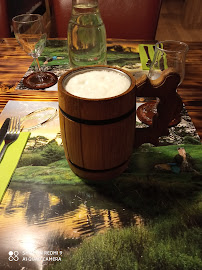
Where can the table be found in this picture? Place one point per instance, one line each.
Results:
(14, 62)
(149, 216)
(191, 14)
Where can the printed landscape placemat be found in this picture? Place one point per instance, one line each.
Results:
(148, 218)
(55, 59)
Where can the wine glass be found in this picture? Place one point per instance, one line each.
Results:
(168, 54)
(30, 34)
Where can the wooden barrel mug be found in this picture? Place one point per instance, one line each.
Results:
(97, 134)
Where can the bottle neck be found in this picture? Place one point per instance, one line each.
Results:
(84, 2)
(80, 7)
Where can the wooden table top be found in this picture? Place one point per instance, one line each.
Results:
(14, 62)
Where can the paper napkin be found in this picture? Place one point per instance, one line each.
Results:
(10, 161)
(143, 55)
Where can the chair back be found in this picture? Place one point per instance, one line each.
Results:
(4, 21)
(124, 19)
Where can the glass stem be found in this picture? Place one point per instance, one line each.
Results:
(37, 65)
(38, 70)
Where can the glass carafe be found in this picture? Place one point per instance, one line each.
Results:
(86, 35)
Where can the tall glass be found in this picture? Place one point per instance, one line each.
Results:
(86, 35)
(168, 54)
(30, 34)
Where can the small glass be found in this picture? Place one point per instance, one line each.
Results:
(168, 54)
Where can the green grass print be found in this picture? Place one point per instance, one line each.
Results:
(141, 164)
(144, 160)
(138, 248)
(170, 205)
(120, 58)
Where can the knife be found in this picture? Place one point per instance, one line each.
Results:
(4, 129)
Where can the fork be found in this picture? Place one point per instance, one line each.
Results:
(149, 61)
(11, 135)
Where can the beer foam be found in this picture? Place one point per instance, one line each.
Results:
(98, 84)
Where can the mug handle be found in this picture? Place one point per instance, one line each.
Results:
(169, 106)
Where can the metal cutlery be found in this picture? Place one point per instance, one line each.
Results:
(4, 129)
(161, 63)
(149, 61)
(11, 135)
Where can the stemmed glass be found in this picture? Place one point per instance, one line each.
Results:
(30, 34)
(168, 54)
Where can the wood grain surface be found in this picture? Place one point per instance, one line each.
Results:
(14, 62)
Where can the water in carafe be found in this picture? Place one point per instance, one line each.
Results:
(86, 35)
